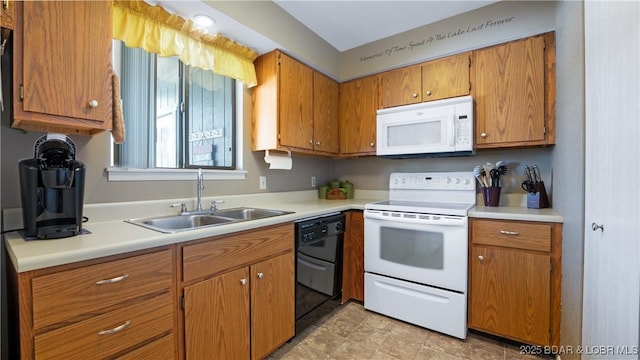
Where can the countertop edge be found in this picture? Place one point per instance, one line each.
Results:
(113, 237)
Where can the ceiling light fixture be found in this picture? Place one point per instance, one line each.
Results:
(203, 20)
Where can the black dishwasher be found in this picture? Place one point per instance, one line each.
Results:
(318, 267)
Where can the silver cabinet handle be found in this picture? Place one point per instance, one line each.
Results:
(243, 281)
(480, 258)
(112, 280)
(93, 104)
(372, 144)
(505, 232)
(260, 275)
(596, 227)
(414, 95)
(483, 135)
(317, 142)
(311, 141)
(428, 92)
(115, 329)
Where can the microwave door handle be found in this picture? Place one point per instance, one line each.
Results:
(452, 131)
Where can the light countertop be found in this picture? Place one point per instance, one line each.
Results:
(111, 235)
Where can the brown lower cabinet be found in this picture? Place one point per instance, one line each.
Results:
(222, 297)
(353, 257)
(114, 307)
(239, 294)
(514, 280)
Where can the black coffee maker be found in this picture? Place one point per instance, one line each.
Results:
(52, 189)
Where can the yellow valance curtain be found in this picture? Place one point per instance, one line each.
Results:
(155, 30)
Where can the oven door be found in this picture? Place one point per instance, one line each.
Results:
(430, 250)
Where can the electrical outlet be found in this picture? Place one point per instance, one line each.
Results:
(313, 181)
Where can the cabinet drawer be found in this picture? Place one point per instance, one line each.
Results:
(70, 294)
(161, 349)
(513, 234)
(109, 333)
(217, 255)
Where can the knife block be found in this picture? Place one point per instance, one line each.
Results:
(539, 198)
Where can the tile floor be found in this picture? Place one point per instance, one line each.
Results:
(351, 332)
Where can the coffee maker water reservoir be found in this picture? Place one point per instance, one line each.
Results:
(52, 189)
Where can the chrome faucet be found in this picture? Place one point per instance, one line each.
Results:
(199, 188)
(198, 210)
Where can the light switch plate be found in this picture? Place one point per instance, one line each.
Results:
(263, 182)
(313, 181)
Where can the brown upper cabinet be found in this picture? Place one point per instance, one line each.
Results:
(294, 107)
(62, 73)
(6, 14)
(432, 80)
(358, 99)
(513, 87)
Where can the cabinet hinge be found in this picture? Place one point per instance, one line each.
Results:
(181, 302)
(20, 92)
(182, 107)
(544, 130)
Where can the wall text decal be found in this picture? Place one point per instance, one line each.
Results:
(432, 38)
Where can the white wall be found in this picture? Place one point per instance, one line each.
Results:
(568, 163)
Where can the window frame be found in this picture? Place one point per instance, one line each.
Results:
(116, 173)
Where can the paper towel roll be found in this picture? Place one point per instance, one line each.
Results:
(278, 161)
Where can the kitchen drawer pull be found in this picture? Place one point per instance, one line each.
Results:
(480, 258)
(243, 282)
(112, 280)
(93, 104)
(115, 329)
(505, 232)
(260, 275)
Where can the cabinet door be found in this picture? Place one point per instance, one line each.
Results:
(353, 258)
(296, 103)
(509, 294)
(446, 78)
(64, 74)
(325, 114)
(6, 14)
(272, 304)
(509, 94)
(400, 87)
(216, 315)
(358, 99)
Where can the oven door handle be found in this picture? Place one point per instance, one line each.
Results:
(442, 220)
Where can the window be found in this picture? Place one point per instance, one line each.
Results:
(176, 116)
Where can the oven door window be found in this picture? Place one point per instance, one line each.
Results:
(420, 249)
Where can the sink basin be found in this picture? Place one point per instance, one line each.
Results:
(176, 223)
(245, 213)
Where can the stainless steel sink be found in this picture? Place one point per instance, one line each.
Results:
(246, 213)
(176, 223)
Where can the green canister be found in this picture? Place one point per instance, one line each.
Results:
(322, 192)
(348, 186)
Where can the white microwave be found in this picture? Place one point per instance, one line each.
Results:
(435, 128)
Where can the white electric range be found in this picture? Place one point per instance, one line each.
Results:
(416, 250)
